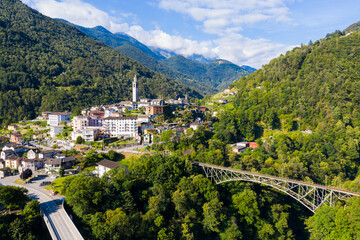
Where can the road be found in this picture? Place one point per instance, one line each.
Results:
(56, 217)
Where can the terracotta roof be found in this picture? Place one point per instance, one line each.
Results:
(108, 164)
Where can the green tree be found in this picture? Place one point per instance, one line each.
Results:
(247, 206)
(13, 197)
(61, 172)
(26, 174)
(79, 140)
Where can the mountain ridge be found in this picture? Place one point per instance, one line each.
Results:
(209, 83)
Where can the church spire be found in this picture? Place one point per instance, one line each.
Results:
(135, 90)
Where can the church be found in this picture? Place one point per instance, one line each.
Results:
(144, 102)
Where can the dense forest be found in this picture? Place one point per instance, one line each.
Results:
(46, 65)
(165, 197)
(20, 217)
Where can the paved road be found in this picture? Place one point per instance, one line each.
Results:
(56, 217)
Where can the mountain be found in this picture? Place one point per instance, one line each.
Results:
(208, 79)
(353, 28)
(160, 67)
(200, 58)
(248, 68)
(218, 73)
(163, 52)
(46, 65)
(114, 40)
(316, 85)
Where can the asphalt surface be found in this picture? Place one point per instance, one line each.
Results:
(55, 215)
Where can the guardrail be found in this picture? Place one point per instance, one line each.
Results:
(62, 205)
(50, 227)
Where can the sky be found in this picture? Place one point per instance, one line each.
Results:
(245, 32)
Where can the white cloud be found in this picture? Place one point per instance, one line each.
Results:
(177, 44)
(77, 12)
(229, 13)
(245, 51)
(222, 17)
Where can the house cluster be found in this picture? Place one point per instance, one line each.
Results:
(12, 156)
(242, 146)
(229, 91)
(109, 120)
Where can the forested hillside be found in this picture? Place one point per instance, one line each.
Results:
(218, 73)
(46, 65)
(313, 86)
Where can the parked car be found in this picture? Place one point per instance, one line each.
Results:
(45, 183)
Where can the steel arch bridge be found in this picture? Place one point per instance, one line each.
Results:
(312, 196)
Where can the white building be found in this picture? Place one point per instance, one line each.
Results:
(120, 126)
(157, 102)
(55, 130)
(109, 112)
(89, 134)
(57, 117)
(33, 153)
(143, 119)
(105, 166)
(82, 122)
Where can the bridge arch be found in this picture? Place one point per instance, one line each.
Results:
(312, 196)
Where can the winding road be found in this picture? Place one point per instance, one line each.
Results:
(57, 220)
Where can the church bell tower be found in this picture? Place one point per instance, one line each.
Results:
(135, 90)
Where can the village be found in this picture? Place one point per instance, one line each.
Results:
(41, 145)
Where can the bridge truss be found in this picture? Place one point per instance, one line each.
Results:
(312, 196)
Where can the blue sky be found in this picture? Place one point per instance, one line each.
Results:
(246, 32)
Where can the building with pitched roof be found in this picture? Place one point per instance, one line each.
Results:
(104, 166)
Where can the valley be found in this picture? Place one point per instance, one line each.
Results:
(141, 142)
